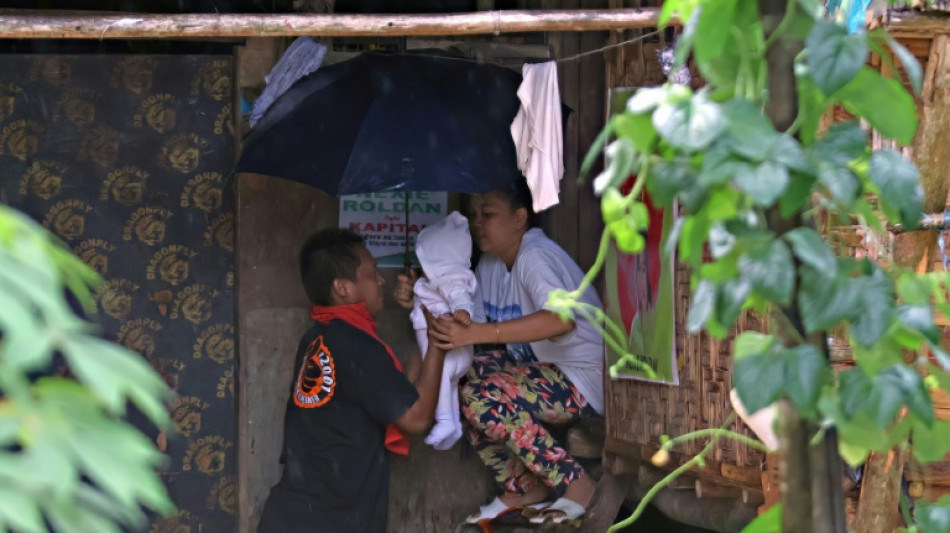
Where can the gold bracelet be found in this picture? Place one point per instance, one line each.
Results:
(497, 334)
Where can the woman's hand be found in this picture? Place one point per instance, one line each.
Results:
(403, 291)
(446, 333)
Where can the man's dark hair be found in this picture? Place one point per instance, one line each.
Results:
(328, 255)
(518, 195)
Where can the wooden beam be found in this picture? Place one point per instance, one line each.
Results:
(32, 24)
(914, 24)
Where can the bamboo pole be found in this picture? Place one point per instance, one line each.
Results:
(32, 24)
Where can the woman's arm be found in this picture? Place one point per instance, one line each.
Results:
(540, 325)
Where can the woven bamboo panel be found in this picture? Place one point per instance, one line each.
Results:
(640, 412)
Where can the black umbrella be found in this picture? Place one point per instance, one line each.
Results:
(392, 122)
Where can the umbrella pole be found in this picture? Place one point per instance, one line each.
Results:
(408, 262)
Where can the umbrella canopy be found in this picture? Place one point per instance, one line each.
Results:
(392, 122)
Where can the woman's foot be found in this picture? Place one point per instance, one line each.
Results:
(580, 492)
(536, 494)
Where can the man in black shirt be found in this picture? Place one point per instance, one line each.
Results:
(350, 400)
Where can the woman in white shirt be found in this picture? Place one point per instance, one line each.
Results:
(532, 368)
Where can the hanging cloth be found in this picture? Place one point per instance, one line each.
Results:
(538, 135)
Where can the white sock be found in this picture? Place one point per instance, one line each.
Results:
(446, 432)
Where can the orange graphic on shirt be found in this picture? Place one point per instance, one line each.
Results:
(316, 380)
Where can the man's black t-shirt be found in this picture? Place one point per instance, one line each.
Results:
(345, 391)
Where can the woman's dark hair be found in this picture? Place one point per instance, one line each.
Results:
(518, 195)
(326, 256)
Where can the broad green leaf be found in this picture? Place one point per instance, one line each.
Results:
(942, 357)
(721, 270)
(915, 395)
(645, 100)
(933, 443)
(669, 178)
(690, 126)
(884, 103)
(20, 510)
(768, 522)
(751, 343)
(765, 183)
(811, 250)
(933, 518)
(637, 128)
(913, 289)
(919, 318)
(854, 455)
(721, 165)
(714, 31)
(899, 183)
(731, 296)
(805, 371)
(796, 194)
(834, 57)
(694, 234)
(759, 379)
(876, 294)
(826, 300)
(908, 61)
(621, 163)
(721, 241)
(750, 133)
(770, 271)
(627, 235)
(702, 305)
(841, 183)
(854, 389)
(842, 143)
(788, 152)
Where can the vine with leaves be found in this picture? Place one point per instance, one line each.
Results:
(751, 195)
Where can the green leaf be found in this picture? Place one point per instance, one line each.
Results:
(911, 385)
(854, 388)
(933, 443)
(765, 183)
(730, 298)
(702, 304)
(933, 518)
(694, 234)
(876, 293)
(796, 194)
(646, 99)
(768, 522)
(621, 163)
(637, 128)
(883, 103)
(691, 125)
(942, 357)
(750, 133)
(842, 143)
(919, 318)
(721, 241)
(751, 343)
(770, 271)
(913, 289)
(721, 165)
(834, 57)
(788, 151)
(20, 510)
(841, 183)
(669, 178)
(899, 183)
(826, 300)
(908, 61)
(759, 379)
(811, 250)
(804, 371)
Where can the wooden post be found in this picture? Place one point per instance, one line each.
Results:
(812, 496)
(22, 24)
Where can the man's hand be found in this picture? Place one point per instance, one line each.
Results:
(403, 291)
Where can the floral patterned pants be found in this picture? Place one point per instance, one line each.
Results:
(506, 406)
